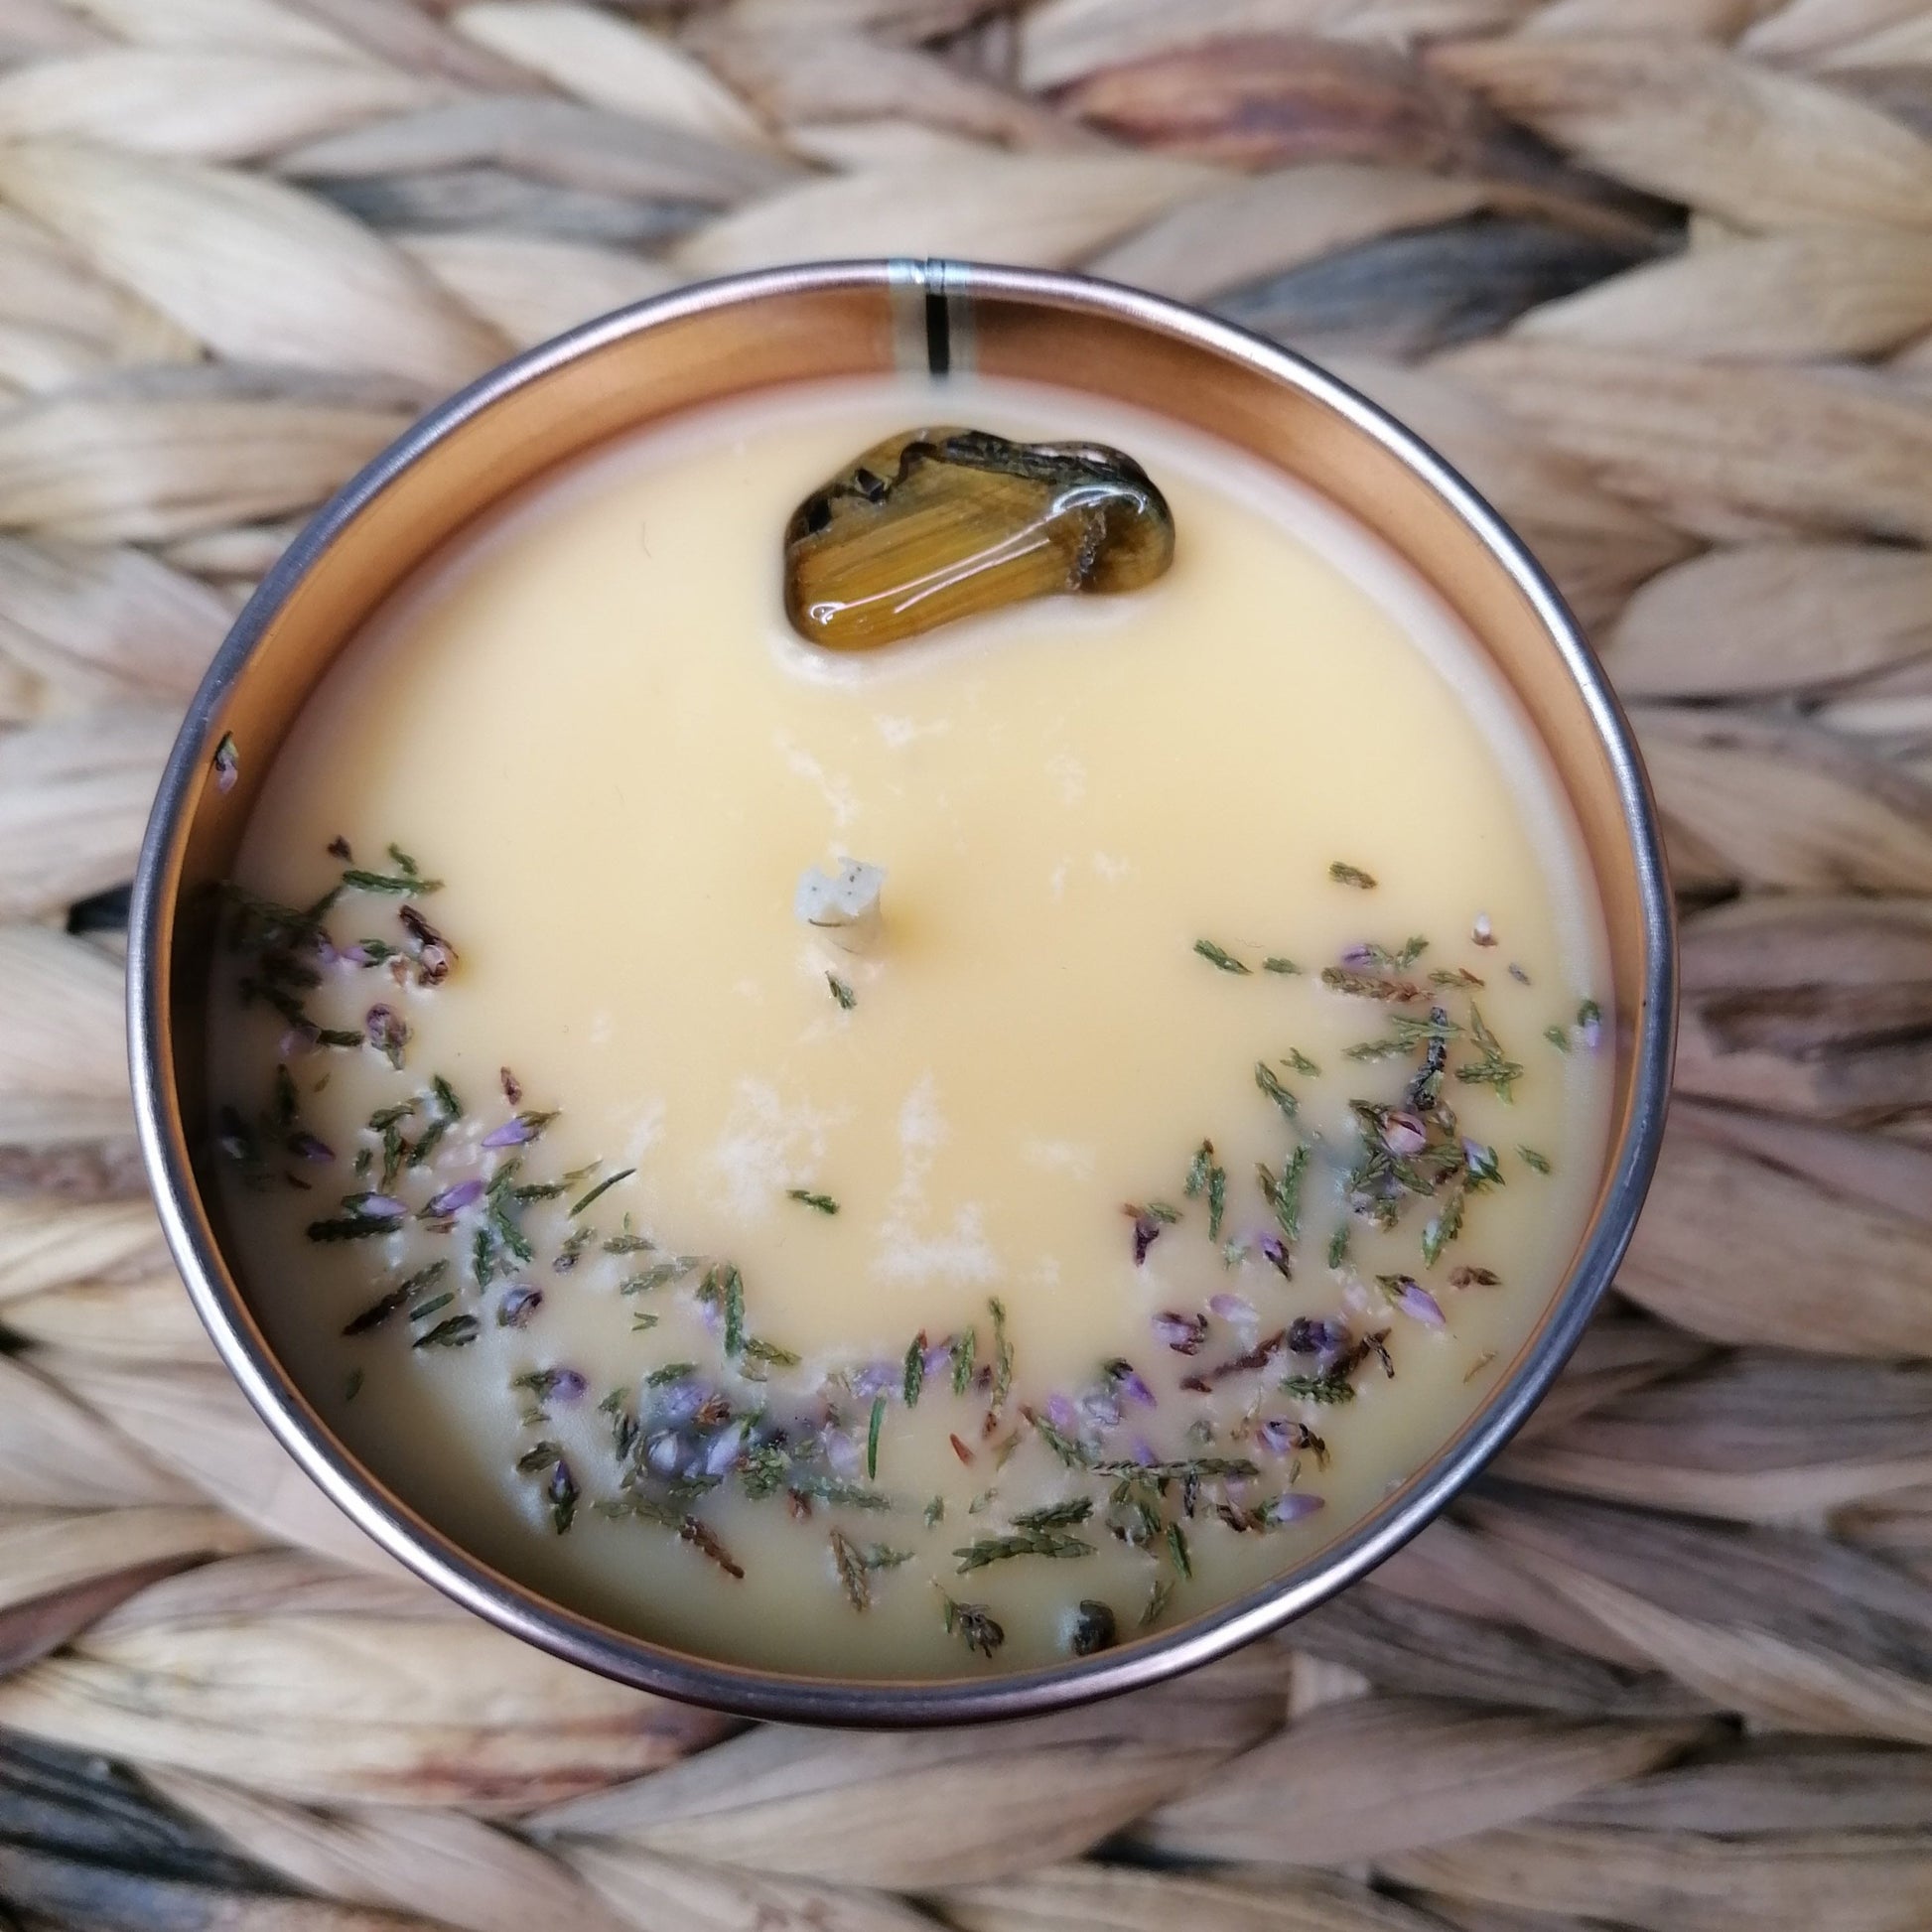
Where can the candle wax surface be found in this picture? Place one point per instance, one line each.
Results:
(587, 718)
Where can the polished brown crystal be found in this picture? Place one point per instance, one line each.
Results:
(936, 524)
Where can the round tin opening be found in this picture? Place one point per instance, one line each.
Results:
(730, 338)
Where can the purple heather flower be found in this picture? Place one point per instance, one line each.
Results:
(1100, 1409)
(1184, 1333)
(520, 1302)
(677, 1403)
(1315, 1335)
(877, 1378)
(722, 1451)
(1417, 1303)
(453, 1199)
(388, 1032)
(1291, 1506)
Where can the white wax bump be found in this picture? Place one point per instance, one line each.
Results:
(842, 905)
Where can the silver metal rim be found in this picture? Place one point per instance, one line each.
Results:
(766, 1694)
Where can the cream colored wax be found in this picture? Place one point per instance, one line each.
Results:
(589, 719)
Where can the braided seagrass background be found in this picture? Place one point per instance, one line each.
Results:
(1658, 275)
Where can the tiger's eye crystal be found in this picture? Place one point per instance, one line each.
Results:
(936, 524)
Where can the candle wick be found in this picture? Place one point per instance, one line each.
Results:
(842, 905)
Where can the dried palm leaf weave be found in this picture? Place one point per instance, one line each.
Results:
(1657, 274)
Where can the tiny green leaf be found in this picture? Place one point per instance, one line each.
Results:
(1219, 956)
(602, 1187)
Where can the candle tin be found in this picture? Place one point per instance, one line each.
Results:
(728, 339)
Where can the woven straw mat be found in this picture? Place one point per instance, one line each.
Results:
(1657, 274)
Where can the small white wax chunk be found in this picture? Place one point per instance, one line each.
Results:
(844, 905)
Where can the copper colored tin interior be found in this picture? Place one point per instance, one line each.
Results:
(786, 326)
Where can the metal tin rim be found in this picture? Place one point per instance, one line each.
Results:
(771, 1694)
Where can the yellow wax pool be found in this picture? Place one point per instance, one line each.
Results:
(978, 1166)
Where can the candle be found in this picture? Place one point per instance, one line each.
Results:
(1155, 1155)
